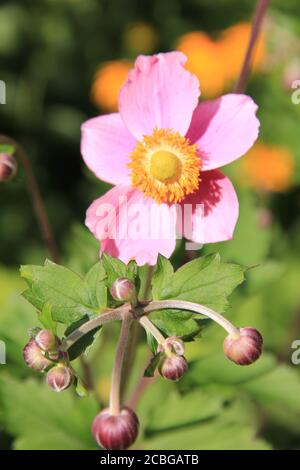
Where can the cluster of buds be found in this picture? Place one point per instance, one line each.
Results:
(42, 354)
(118, 431)
(116, 427)
(172, 365)
(8, 167)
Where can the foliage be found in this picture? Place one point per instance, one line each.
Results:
(49, 52)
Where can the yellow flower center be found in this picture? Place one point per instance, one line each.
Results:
(165, 166)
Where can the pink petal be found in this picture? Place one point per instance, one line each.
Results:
(224, 129)
(215, 220)
(105, 146)
(131, 226)
(159, 92)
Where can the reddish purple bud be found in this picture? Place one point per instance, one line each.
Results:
(54, 355)
(47, 341)
(115, 432)
(63, 357)
(8, 167)
(59, 378)
(245, 348)
(173, 367)
(173, 344)
(34, 357)
(123, 290)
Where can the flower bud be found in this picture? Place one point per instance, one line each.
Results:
(173, 344)
(47, 341)
(63, 358)
(59, 356)
(173, 367)
(59, 378)
(33, 331)
(115, 432)
(123, 290)
(34, 357)
(8, 167)
(245, 348)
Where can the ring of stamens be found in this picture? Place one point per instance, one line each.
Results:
(165, 166)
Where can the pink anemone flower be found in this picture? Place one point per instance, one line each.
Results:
(162, 151)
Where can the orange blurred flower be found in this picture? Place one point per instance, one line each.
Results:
(107, 83)
(204, 61)
(233, 43)
(140, 38)
(267, 167)
(215, 62)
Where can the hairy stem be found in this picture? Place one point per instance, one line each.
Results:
(106, 317)
(197, 308)
(147, 288)
(259, 15)
(135, 333)
(34, 191)
(141, 385)
(151, 328)
(115, 388)
(126, 311)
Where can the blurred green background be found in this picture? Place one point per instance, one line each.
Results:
(53, 58)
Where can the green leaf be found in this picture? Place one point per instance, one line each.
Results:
(277, 392)
(164, 418)
(45, 317)
(152, 343)
(96, 285)
(45, 420)
(115, 268)
(204, 280)
(80, 388)
(164, 271)
(176, 323)
(84, 342)
(17, 317)
(190, 426)
(70, 296)
(217, 369)
(150, 369)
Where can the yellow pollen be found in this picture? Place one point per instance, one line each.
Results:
(165, 166)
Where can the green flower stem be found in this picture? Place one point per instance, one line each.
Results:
(151, 328)
(115, 388)
(106, 317)
(197, 308)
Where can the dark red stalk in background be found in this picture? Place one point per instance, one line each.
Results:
(258, 17)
